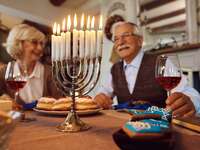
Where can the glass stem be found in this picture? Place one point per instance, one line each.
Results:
(16, 98)
(168, 93)
(19, 109)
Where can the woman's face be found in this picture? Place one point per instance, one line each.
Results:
(32, 50)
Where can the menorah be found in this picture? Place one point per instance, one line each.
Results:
(76, 66)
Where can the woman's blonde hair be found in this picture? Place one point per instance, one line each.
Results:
(18, 34)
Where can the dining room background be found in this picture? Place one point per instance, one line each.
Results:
(166, 25)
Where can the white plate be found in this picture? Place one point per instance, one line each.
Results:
(79, 112)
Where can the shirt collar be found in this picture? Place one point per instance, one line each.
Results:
(36, 72)
(136, 61)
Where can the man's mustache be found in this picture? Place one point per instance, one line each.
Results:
(122, 47)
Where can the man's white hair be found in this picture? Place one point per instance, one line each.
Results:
(136, 28)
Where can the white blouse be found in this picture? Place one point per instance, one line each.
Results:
(33, 90)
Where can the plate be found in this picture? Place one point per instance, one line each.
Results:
(79, 112)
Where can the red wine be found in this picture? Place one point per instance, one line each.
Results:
(15, 85)
(168, 83)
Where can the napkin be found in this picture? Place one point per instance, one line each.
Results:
(139, 105)
(28, 106)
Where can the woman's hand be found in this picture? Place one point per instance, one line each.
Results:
(103, 101)
(181, 105)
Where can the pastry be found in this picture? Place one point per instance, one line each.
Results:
(63, 104)
(6, 97)
(4, 116)
(85, 103)
(45, 103)
(5, 105)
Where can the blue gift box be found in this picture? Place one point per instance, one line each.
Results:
(147, 126)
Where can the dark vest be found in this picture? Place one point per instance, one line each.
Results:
(146, 88)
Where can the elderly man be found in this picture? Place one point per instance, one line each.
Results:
(133, 78)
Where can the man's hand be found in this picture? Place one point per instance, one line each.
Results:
(103, 101)
(181, 105)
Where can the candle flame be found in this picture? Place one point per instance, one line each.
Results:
(63, 24)
(54, 27)
(75, 21)
(82, 21)
(92, 22)
(88, 22)
(101, 22)
(68, 22)
(58, 29)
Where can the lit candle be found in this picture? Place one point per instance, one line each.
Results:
(68, 38)
(53, 43)
(87, 39)
(81, 38)
(93, 39)
(58, 42)
(100, 37)
(75, 38)
(62, 46)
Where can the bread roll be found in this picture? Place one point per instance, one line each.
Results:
(63, 104)
(4, 118)
(85, 103)
(45, 103)
(6, 105)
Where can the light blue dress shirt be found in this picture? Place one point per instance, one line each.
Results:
(131, 71)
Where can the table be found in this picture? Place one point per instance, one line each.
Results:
(42, 134)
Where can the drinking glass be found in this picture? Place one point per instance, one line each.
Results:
(16, 80)
(168, 71)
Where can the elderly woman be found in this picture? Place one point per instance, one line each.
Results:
(25, 44)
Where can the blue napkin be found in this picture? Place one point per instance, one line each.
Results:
(132, 105)
(28, 106)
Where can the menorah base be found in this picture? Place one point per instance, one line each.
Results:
(73, 124)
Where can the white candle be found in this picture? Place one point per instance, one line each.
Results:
(58, 39)
(53, 43)
(87, 39)
(68, 38)
(81, 38)
(93, 39)
(62, 46)
(75, 38)
(100, 37)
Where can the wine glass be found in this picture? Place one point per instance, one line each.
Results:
(168, 71)
(16, 80)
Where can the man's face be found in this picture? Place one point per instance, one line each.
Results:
(127, 45)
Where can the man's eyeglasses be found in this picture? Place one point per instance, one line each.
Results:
(124, 36)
